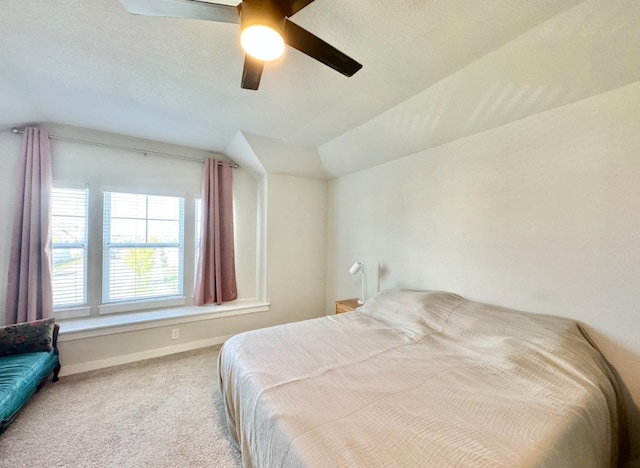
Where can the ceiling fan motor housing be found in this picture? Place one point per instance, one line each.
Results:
(263, 13)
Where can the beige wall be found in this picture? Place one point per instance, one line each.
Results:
(296, 247)
(124, 345)
(9, 151)
(542, 215)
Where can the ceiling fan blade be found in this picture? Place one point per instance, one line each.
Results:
(290, 7)
(316, 48)
(251, 73)
(191, 9)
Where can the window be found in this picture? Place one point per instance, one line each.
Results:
(143, 247)
(69, 247)
(137, 252)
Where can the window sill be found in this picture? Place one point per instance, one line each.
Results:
(73, 312)
(141, 305)
(87, 327)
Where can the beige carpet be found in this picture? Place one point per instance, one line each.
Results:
(164, 412)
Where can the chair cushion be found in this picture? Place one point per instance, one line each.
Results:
(20, 375)
(27, 337)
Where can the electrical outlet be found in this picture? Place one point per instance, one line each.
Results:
(175, 333)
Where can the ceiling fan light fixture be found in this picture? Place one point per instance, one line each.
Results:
(262, 26)
(262, 42)
(265, 29)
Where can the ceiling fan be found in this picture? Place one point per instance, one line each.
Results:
(265, 29)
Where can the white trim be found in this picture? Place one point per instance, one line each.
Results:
(63, 184)
(134, 357)
(72, 312)
(139, 305)
(78, 329)
(261, 252)
(143, 191)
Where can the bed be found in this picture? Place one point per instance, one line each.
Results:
(420, 379)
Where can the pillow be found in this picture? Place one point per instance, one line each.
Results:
(413, 311)
(27, 337)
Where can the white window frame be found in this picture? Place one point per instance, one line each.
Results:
(197, 215)
(110, 305)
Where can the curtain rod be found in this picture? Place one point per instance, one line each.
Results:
(126, 148)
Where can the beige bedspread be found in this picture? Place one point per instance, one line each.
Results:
(420, 379)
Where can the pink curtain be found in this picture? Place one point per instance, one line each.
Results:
(29, 289)
(216, 275)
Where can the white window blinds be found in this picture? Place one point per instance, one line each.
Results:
(69, 246)
(143, 247)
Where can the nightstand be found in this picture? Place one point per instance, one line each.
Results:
(346, 305)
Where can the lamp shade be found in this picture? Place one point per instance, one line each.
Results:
(355, 268)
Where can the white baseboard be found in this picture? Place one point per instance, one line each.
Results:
(141, 356)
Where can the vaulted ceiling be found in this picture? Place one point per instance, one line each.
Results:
(434, 71)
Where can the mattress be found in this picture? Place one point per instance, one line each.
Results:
(420, 379)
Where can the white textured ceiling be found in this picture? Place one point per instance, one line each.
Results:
(434, 70)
